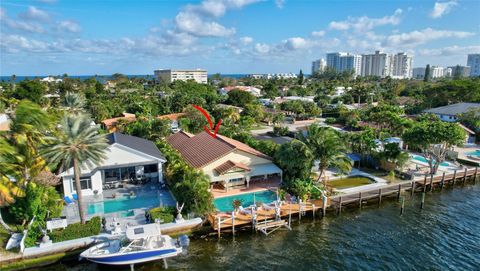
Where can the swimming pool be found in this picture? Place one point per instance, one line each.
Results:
(424, 160)
(123, 204)
(225, 204)
(474, 153)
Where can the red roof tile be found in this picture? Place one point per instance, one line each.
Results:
(229, 165)
(202, 149)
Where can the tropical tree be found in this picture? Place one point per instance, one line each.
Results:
(298, 168)
(434, 138)
(77, 143)
(74, 103)
(328, 149)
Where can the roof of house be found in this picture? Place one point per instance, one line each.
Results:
(229, 165)
(172, 117)
(202, 149)
(466, 129)
(126, 116)
(136, 143)
(453, 109)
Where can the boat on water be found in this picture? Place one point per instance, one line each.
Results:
(143, 243)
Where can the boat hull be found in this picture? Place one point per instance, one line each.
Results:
(134, 257)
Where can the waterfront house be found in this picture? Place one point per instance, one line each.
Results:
(252, 90)
(451, 112)
(128, 159)
(227, 162)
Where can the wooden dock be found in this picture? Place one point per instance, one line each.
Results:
(425, 184)
(273, 217)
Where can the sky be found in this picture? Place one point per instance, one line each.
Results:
(53, 37)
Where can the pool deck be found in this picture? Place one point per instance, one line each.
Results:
(164, 197)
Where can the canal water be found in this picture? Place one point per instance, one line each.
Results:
(445, 235)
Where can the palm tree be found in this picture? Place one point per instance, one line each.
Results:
(73, 103)
(77, 143)
(328, 148)
(8, 168)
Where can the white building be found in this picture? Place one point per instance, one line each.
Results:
(169, 76)
(319, 66)
(473, 61)
(451, 112)
(437, 72)
(50, 79)
(252, 90)
(289, 75)
(128, 158)
(341, 62)
(402, 66)
(378, 64)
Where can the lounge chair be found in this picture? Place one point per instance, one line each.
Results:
(75, 197)
(244, 211)
(267, 207)
(67, 200)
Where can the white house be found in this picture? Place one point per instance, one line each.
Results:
(451, 112)
(50, 79)
(128, 158)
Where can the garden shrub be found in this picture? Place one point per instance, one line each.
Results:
(77, 230)
(166, 214)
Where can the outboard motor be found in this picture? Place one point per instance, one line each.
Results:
(183, 241)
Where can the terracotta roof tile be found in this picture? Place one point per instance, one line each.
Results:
(227, 166)
(173, 116)
(201, 149)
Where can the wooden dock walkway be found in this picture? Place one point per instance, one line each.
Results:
(228, 222)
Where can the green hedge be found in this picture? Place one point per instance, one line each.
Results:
(165, 214)
(77, 230)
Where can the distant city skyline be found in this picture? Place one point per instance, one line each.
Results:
(53, 37)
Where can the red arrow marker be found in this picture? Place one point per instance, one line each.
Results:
(214, 134)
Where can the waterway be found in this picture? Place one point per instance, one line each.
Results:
(445, 235)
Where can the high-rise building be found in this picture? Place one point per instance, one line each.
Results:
(460, 71)
(318, 66)
(437, 72)
(169, 76)
(473, 61)
(419, 73)
(341, 62)
(378, 64)
(402, 66)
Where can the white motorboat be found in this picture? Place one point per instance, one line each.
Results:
(142, 244)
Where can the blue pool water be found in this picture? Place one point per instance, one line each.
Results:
(123, 204)
(225, 204)
(474, 153)
(422, 159)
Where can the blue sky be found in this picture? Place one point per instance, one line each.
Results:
(51, 37)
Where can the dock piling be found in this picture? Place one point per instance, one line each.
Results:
(379, 196)
(399, 191)
(423, 200)
(218, 226)
(442, 183)
(465, 176)
(454, 176)
(233, 223)
(425, 184)
(413, 188)
(403, 206)
(431, 182)
(360, 199)
(340, 206)
(475, 175)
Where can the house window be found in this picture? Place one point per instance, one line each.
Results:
(112, 174)
(127, 173)
(85, 183)
(150, 168)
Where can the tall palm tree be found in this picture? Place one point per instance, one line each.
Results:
(73, 103)
(328, 148)
(8, 168)
(76, 143)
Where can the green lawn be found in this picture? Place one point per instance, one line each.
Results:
(349, 182)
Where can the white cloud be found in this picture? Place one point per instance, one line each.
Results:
(450, 51)
(69, 26)
(320, 33)
(18, 25)
(199, 20)
(365, 23)
(262, 48)
(35, 14)
(246, 40)
(442, 8)
(280, 3)
(295, 43)
(419, 37)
